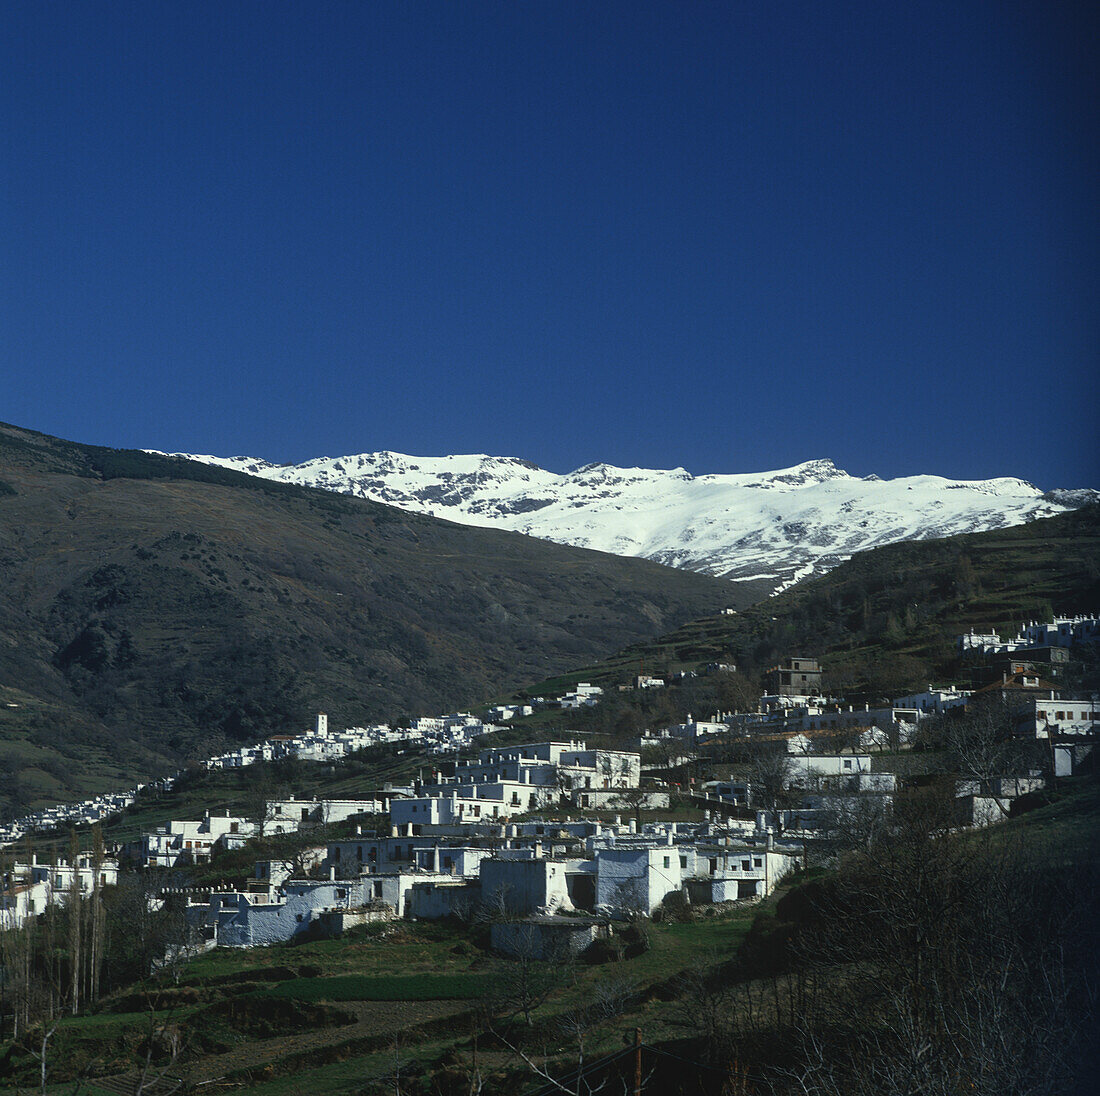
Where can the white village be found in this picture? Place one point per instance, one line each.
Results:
(559, 836)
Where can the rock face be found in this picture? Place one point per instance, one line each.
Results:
(773, 527)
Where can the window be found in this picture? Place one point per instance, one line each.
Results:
(359, 853)
(758, 861)
(746, 865)
(847, 764)
(667, 864)
(683, 861)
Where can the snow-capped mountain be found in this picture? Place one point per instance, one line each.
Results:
(775, 526)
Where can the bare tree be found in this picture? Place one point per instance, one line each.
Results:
(164, 1044)
(854, 822)
(982, 746)
(968, 964)
(528, 979)
(609, 998)
(74, 909)
(97, 919)
(769, 778)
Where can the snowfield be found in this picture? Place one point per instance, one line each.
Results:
(781, 526)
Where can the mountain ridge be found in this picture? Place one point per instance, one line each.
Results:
(777, 527)
(156, 610)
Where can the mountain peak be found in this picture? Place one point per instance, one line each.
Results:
(774, 527)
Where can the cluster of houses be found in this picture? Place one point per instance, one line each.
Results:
(1061, 632)
(585, 695)
(437, 735)
(498, 785)
(30, 888)
(184, 842)
(62, 815)
(499, 871)
(822, 793)
(802, 717)
(796, 711)
(459, 843)
(466, 838)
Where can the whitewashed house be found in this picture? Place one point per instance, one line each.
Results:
(583, 696)
(816, 770)
(637, 880)
(28, 890)
(731, 872)
(934, 700)
(1052, 718)
(520, 882)
(192, 840)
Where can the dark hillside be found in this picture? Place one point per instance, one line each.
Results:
(155, 609)
(885, 619)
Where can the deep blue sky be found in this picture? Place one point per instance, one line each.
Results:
(729, 236)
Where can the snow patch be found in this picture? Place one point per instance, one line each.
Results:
(780, 526)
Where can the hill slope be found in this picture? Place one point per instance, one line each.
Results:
(774, 527)
(154, 609)
(885, 620)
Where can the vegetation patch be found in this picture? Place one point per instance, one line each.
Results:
(361, 987)
(267, 1016)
